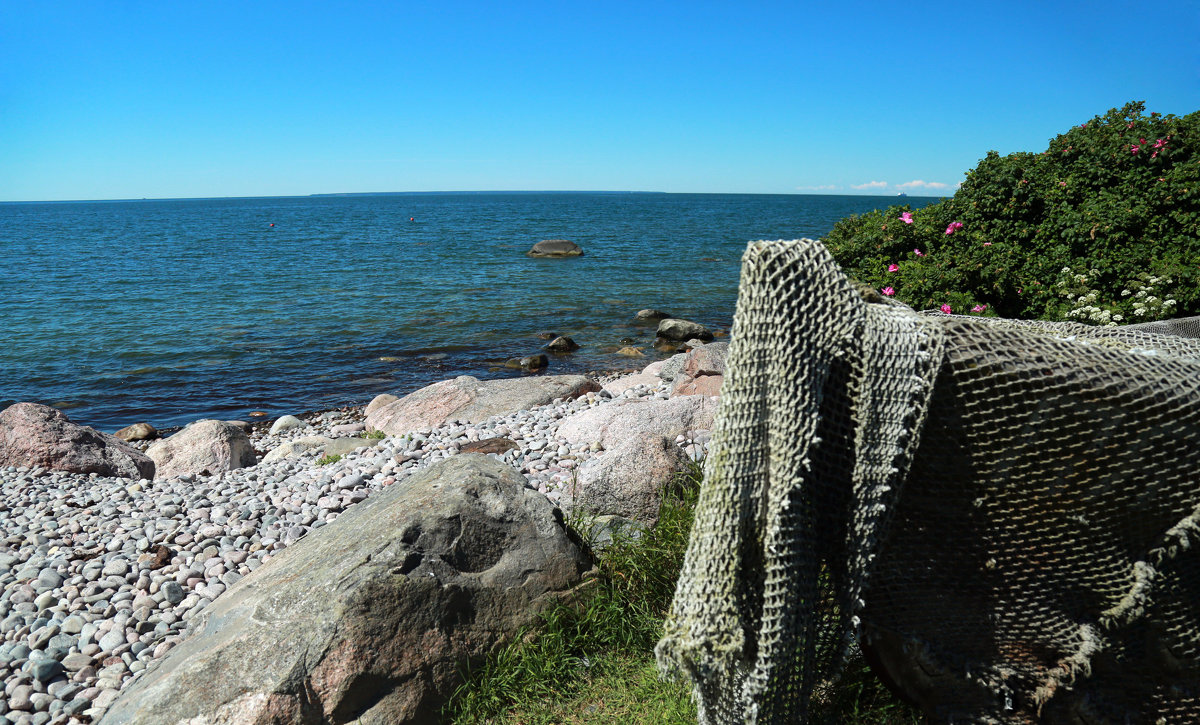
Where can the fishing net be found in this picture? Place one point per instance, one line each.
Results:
(1003, 515)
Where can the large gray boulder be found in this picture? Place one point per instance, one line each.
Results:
(474, 400)
(205, 445)
(629, 479)
(682, 330)
(610, 425)
(369, 619)
(38, 435)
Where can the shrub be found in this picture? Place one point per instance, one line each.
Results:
(1102, 227)
(326, 460)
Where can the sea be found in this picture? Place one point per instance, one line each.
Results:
(169, 311)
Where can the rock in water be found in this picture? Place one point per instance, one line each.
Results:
(528, 363)
(137, 432)
(652, 314)
(681, 330)
(205, 445)
(368, 619)
(38, 435)
(562, 344)
(555, 248)
(468, 398)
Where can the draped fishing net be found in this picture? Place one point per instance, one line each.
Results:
(1004, 515)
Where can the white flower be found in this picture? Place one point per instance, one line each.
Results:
(1125, 293)
(1118, 317)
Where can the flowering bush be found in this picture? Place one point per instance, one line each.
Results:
(1112, 205)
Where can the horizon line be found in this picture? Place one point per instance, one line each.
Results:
(461, 191)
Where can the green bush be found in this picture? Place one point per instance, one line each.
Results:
(1102, 227)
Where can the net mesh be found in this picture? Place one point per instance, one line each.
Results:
(1004, 515)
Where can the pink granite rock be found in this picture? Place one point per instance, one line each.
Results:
(628, 480)
(610, 425)
(38, 435)
(205, 445)
(474, 400)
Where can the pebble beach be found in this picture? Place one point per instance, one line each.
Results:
(100, 577)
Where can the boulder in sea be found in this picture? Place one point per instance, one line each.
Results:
(372, 618)
(545, 335)
(630, 351)
(629, 479)
(652, 315)
(612, 424)
(205, 445)
(562, 344)
(137, 432)
(36, 435)
(681, 330)
(555, 248)
(286, 423)
(528, 363)
(468, 398)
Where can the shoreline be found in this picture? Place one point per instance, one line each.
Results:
(102, 576)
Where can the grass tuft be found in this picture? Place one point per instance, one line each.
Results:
(592, 661)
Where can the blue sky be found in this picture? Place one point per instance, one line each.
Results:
(120, 99)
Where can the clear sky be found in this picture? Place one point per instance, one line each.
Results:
(123, 99)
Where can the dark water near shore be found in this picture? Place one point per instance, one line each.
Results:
(170, 311)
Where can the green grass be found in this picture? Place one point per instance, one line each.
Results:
(593, 661)
(326, 460)
(375, 435)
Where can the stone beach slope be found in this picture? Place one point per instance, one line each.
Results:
(233, 591)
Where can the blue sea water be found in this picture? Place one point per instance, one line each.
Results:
(170, 311)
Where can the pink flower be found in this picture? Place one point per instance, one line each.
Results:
(1133, 149)
(893, 268)
(888, 291)
(1062, 183)
(954, 227)
(1159, 143)
(946, 308)
(1083, 125)
(918, 253)
(1130, 125)
(987, 244)
(906, 217)
(978, 308)
(1141, 141)
(1154, 154)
